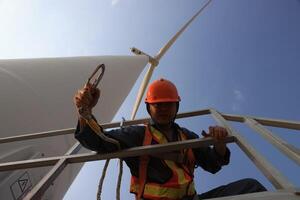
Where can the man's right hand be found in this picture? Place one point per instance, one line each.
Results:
(87, 97)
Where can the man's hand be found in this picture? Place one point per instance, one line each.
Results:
(86, 98)
(219, 134)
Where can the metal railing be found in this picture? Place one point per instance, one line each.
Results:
(60, 162)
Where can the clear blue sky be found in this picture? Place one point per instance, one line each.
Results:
(239, 56)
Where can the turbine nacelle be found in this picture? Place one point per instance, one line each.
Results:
(152, 61)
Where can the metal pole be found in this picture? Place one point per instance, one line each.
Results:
(131, 152)
(265, 121)
(105, 126)
(284, 147)
(274, 176)
(41, 187)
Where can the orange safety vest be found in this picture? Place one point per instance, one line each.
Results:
(180, 184)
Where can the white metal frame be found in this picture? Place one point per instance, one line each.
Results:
(274, 176)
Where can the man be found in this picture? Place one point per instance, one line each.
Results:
(161, 177)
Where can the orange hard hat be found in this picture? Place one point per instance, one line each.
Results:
(161, 91)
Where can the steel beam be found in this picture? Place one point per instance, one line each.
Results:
(274, 176)
(265, 121)
(237, 118)
(41, 187)
(284, 147)
(105, 126)
(131, 152)
(276, 195)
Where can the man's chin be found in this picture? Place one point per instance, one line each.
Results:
(164, 122)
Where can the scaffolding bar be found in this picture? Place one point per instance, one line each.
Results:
(285, 148)
(277, 195)
(24, 137)
(274, 176)
(40, 188)
(131, 152)
(237, 118)
(265, 121)
(36, 135)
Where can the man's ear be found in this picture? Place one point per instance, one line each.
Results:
(148, 108)
(177, 107)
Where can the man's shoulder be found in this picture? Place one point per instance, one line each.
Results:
(134, 128)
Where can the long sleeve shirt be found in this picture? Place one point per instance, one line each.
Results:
(133, 136)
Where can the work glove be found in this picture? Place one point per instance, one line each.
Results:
(85, 99)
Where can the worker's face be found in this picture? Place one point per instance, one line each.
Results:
(163, 113)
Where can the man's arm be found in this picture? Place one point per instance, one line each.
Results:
(211, 158)
(91, 135)
(127, 137)
(90, 138)
(89, 132)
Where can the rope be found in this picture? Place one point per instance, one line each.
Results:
(118, 189)
(98, 130)
(102, 179)
(100, 185)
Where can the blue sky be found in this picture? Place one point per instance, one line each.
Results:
(238, 56)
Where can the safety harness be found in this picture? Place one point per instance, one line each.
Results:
(180, 184)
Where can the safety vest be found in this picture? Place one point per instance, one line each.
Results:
(180, 184)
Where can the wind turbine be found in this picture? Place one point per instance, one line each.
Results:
(154, 61)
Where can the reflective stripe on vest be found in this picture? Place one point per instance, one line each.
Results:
(180, 184)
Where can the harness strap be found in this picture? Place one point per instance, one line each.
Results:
(144, 160)
(99, 131)
(186, 157)
(189, 157)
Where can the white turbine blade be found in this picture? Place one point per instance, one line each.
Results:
(37, 95)
(163, 50)
(160, 54)
(142, 91)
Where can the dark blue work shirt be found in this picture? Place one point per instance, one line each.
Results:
(133, 136)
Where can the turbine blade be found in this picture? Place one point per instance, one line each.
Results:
(164, 49)
(142, 91)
